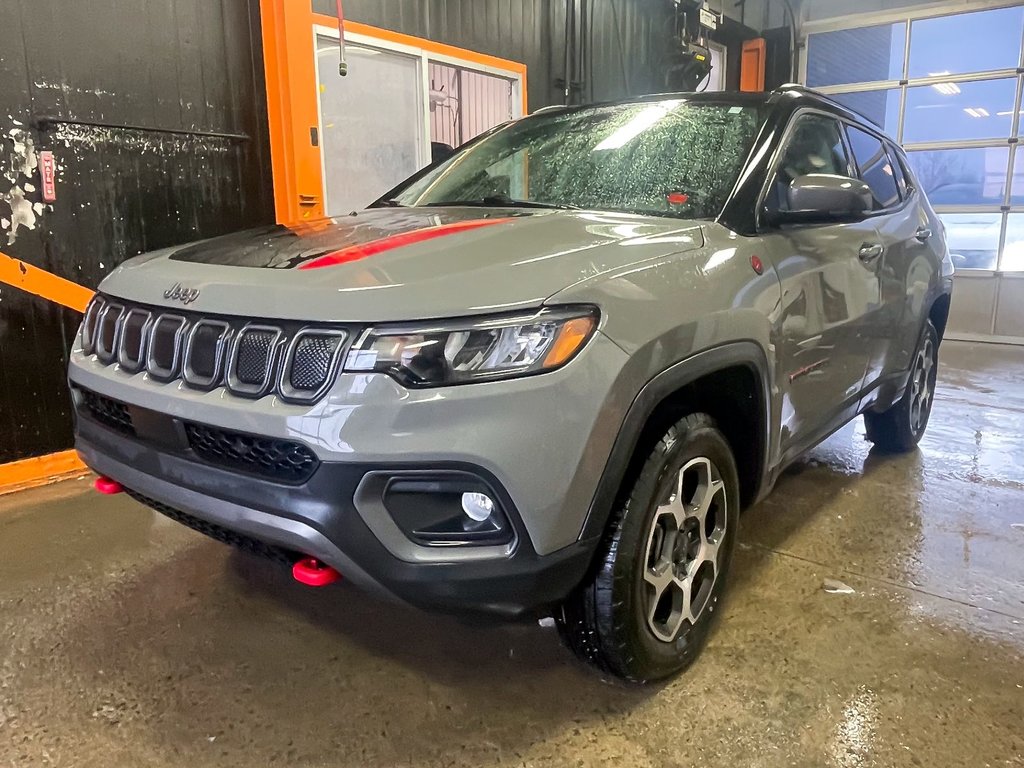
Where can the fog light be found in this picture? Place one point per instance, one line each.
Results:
(477, 506)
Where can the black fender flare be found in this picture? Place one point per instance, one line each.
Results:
(651, 395)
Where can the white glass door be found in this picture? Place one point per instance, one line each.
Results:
(372, 123)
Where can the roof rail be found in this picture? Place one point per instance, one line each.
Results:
(799, 88)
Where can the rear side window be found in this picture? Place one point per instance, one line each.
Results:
(815, 146)
(876, 168)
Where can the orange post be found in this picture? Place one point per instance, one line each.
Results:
(288, 60)
(752, 63)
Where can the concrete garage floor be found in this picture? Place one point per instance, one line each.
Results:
(126, 640)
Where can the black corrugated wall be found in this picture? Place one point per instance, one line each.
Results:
(187, 65)
(628, 38)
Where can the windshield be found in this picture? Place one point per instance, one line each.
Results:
(664, 158)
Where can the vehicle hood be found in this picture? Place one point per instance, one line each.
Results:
(399, 263)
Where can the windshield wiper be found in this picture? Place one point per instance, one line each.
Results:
(392, 203)
(503, 201)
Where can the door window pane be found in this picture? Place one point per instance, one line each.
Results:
(367, 148)
(956, 111)
(880, 107)
(879, 55)
(973, 238)
(875, 167)
(962, 176)
(966, 42)
(1013, 251)
(815, 146)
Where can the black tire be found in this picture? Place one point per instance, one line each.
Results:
(611, 621)
(901, 428)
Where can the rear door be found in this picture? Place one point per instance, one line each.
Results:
(829, 290)
(897, 220)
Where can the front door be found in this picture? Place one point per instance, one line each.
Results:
(830, 290)
(898, 222)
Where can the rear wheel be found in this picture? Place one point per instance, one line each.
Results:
(901, 428)
(648, 607)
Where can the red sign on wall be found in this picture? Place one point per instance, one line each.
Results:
(48, 173)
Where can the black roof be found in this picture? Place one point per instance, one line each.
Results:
(797, 95)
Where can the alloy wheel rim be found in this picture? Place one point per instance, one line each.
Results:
(680, 566)
(922, 390)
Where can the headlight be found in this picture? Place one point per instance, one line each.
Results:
(468, 350)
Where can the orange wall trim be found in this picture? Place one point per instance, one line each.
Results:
(40, 470)
(752, 64)
(292, 108)
(28, 473)
(42, 283)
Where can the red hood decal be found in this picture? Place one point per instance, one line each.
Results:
(363, 250)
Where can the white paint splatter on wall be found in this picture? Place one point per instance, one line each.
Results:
(18, 164)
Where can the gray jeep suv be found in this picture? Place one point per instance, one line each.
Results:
(542, 376)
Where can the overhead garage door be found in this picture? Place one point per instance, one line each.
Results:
(949, 88)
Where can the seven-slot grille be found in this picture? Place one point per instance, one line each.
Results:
(251, 359)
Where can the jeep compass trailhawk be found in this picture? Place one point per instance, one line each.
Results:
(542, 376)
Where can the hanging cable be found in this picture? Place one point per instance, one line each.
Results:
(793, 61)
(342, 64)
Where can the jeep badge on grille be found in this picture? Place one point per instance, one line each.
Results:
(179, 293)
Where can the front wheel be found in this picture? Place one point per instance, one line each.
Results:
(901, 428)
(646, 611)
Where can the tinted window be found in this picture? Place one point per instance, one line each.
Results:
(815, 146)
(669, 158)
(875, 167)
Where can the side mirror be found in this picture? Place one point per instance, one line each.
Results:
(822, 198)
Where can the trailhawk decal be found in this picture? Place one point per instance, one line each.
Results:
(341, 239)
(357, 252)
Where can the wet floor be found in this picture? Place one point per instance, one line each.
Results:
(126, 640)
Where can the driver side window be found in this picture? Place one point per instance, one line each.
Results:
(815, 146)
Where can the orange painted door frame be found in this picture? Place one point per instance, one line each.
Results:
(752, 65)
(292, 107)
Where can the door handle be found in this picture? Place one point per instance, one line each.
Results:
(923, 233)
(870, 251)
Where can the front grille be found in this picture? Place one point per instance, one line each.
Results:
(109, 412)
(280, 460)
(132, 349)
(165, 345)
(106, 332)
(311, 363)
(250, 358)
(225, 535)
(254, 358)
(204, 353)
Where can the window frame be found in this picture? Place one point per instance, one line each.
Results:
(761, 227)
(884, 141)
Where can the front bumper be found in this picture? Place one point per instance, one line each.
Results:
(318, 518)
(541, 442)
(545, 439)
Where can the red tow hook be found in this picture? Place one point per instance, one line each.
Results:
(107, 486)
(313, 573)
